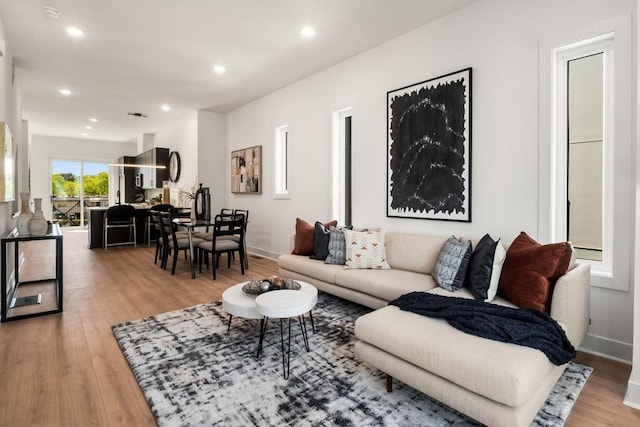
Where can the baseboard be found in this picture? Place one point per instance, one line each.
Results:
(261, 252)
(632, 397)
(607, 348)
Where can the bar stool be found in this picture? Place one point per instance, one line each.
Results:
(120, 216)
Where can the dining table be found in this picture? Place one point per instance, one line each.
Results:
(191, 224)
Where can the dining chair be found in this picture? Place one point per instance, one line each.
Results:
(208, 235)
(224, 226)
(118, 217)
(246, 221)
(151, 225)
(154, 220)
(174, 243)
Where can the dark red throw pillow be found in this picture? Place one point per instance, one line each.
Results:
(530, 270)
(306, 236)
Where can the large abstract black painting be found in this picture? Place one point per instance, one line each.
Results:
(429, 149)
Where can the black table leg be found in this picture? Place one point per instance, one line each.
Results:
(285, 367)
(313, 326)
(229, 324)
(263, 330)
(303, 328)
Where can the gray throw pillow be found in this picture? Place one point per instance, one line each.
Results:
(451, 264)
(337, 247)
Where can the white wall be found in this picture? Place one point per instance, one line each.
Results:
(500, 40)
(11, 113)
(47, 148)
(199, 138)
(632, 396)
(212, 154)
(182, 136)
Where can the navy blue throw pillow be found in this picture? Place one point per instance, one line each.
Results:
(321, 244)
(478, 276)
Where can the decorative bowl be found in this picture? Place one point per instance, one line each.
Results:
(274, 283)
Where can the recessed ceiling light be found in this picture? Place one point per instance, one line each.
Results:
(219, 69)
(165, 107)
(307, 32)
(93, 119)
(75, 32)
(65, 92)
(85, 134)
(88, 127)
(51, 12)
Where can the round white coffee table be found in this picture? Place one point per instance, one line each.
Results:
(236, 303)
(285, 304)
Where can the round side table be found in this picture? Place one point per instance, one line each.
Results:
(285, 304)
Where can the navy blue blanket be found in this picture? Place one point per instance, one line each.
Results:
(530, 328)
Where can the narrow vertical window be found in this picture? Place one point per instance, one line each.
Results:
(583, 89)
(281, 181)
(585, 113)
(586, 191)
(341, 166)
(347, 171)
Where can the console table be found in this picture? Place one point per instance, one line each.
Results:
(52, 285)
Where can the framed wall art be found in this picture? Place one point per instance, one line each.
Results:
(7, 177)
(246, 169)
(429, 149)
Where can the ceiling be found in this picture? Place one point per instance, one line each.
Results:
(137, 55)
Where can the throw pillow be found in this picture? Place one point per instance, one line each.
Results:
(305, 237)
(365, 249)
(530, 270)
(321, 244)
(451, 264)
(337, 249)
(484, 268)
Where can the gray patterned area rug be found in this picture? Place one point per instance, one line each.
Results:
(192, 372)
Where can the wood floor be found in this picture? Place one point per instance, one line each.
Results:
(67, 370)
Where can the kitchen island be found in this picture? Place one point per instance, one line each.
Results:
(96, 226)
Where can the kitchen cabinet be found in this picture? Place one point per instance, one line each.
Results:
(126, 180)
(153, 177)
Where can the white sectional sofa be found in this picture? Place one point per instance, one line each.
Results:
(495, 383)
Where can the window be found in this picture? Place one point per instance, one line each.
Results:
(585, 139)
(75, 186)
(586, 158)
(281, 181)
(341, 166)
(583, 146)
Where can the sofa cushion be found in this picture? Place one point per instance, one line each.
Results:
(485, 267)
(365, 249)
(321, 242)
(530, 270)
(451, 264)
(413, 252)
(384, 284)
(506, 373)
(305, 236)
(309, 267)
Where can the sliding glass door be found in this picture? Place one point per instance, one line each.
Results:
(76, 185)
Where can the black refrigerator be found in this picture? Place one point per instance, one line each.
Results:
(127, 191)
